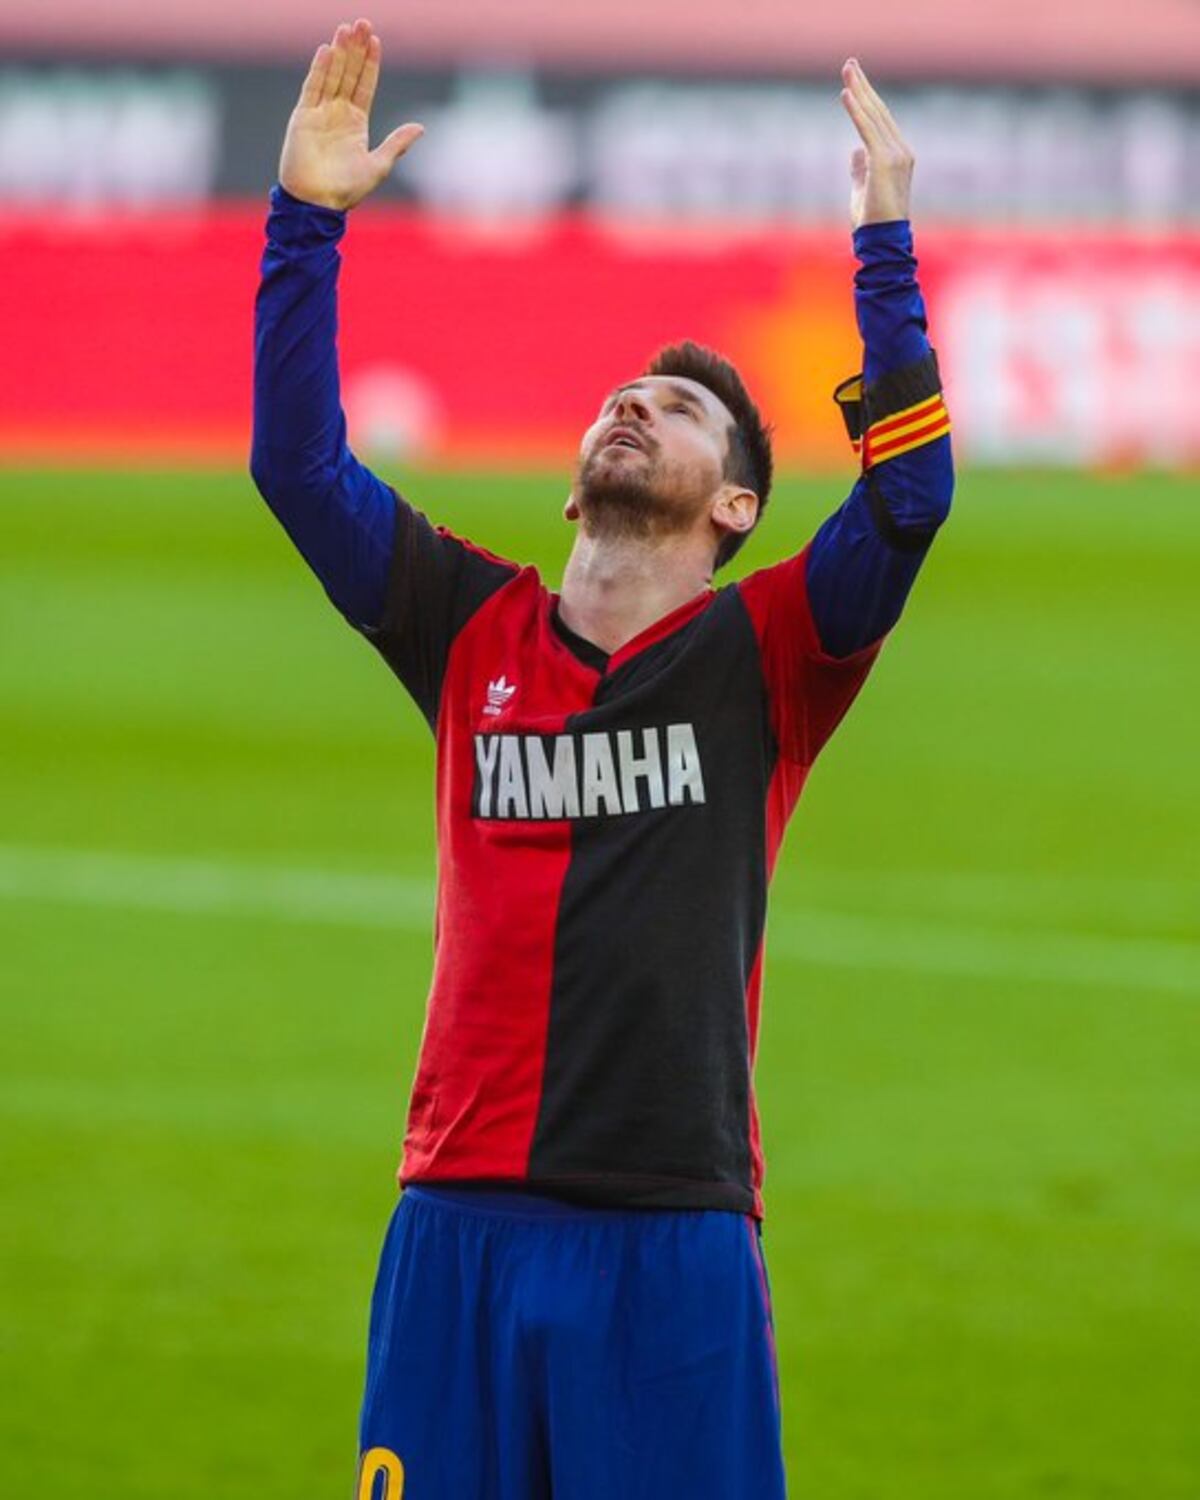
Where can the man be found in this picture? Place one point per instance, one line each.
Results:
(572, 1300)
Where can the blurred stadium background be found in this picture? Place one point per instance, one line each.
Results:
(980, 1045)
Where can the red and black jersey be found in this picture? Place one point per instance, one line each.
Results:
(607, 827)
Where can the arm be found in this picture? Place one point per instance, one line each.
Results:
(407, 585)
(865, 558)
(340, 516)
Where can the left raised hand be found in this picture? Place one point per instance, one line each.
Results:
(881, 168)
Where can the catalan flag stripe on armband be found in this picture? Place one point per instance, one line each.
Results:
(905, 430)
(896, 413)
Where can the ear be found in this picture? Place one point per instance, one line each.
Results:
(571, 508)
(734, 509)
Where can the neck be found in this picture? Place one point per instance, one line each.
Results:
(615, 587)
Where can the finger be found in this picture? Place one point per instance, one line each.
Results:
(875, 105)
(356, 56)
(885, 114)
(871, 91)
(337, 63)
(856, 83)
(364, 93)
(392, 147)
(867, 128)
(310, 91)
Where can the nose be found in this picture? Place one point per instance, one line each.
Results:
(631, 405)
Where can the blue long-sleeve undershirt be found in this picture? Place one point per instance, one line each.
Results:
(342, 517)
(858, 581)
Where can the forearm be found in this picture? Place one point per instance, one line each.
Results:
(340, 516)
(865, 558)
(888, 304)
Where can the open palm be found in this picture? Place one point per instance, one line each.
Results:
(326, 152)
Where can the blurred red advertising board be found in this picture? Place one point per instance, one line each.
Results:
(130, 339)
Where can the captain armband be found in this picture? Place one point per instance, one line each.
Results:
(900, 411)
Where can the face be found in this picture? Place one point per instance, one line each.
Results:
(653, 461)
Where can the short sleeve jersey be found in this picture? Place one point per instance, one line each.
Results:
(607, 827)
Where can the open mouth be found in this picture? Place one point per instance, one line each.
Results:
(624, 439)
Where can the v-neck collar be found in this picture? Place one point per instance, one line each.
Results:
(605, 662)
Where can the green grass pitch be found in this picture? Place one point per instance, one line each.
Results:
(980, 1059)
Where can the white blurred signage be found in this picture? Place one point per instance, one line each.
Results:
(85, 138)
(494, 154)
(779, 152)
(768, 153)
(512, 148)
(1088, 359)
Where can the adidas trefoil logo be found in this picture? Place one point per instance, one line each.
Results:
(498, 694)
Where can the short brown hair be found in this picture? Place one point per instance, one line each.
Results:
(749, 461)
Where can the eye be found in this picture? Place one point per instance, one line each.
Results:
(682, 406)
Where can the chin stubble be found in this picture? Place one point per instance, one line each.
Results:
(621, 498)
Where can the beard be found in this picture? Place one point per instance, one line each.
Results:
(623, 492)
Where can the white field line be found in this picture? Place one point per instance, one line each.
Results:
(149, 882)
(836, 939)
(1081, 899)
(1032, 955)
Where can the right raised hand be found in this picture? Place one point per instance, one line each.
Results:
(326, 157)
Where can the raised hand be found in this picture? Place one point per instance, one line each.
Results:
(881, 168)
(326, 154)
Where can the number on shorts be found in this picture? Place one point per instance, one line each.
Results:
(377, 1461)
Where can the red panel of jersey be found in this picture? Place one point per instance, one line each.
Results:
(607, 827)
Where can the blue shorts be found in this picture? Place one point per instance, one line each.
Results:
(524, 1348)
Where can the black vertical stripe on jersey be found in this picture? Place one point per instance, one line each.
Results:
(586, 651)
(436, 582)
(646, 1087)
